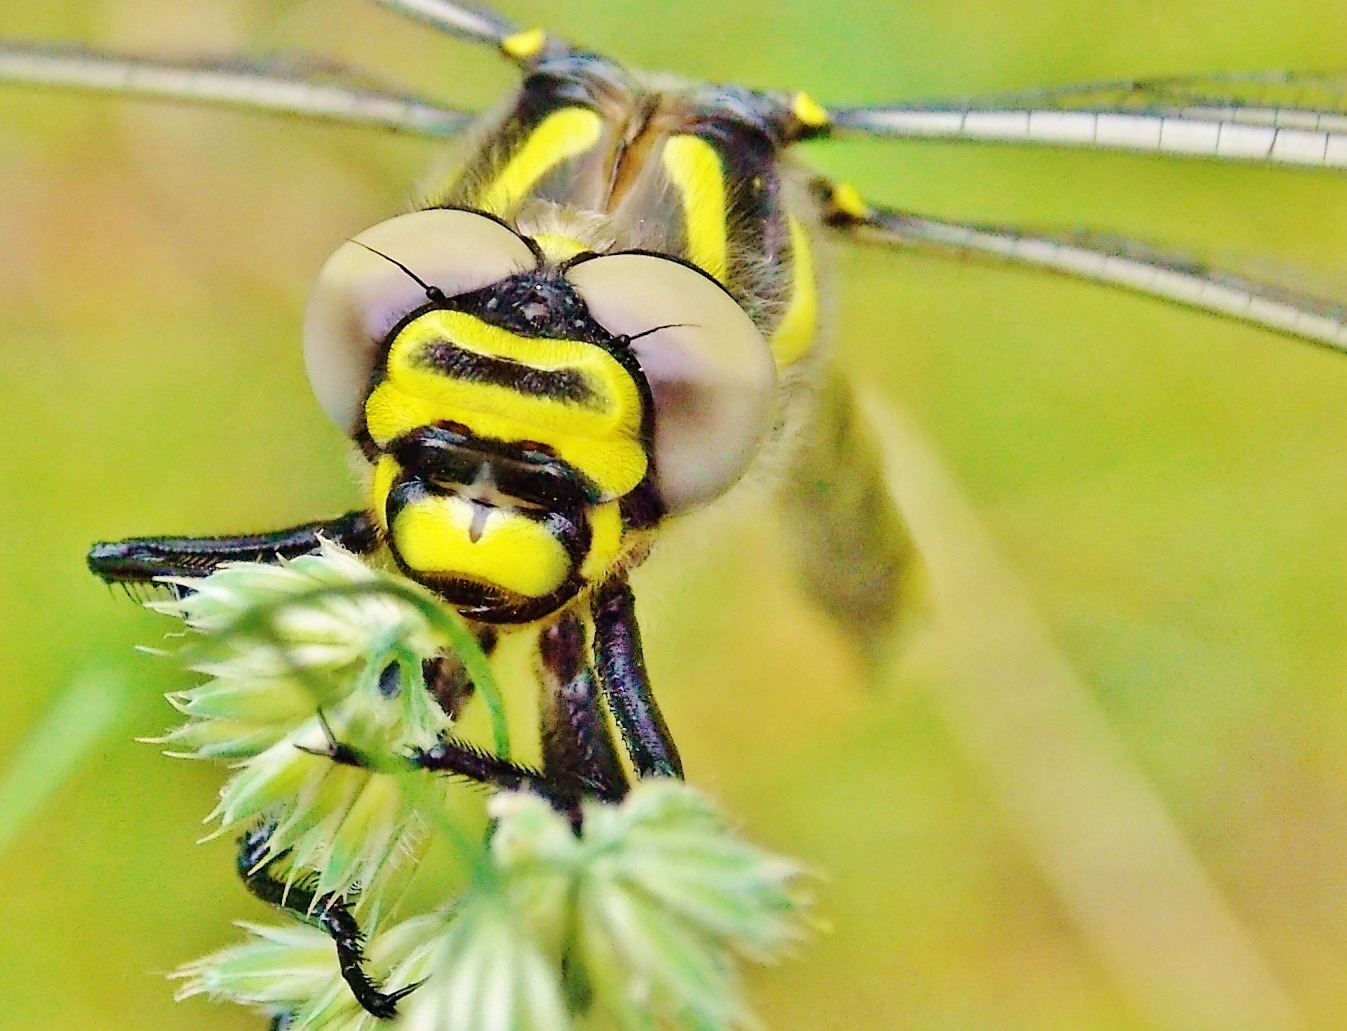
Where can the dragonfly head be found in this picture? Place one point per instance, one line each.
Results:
(527, 422)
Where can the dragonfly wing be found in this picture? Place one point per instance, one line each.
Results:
(478, 26)
(1097, 258)
(850, 544)
(295, 87)
(1274, 118)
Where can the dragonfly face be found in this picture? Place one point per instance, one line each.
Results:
(527, 434)
(1006, 330)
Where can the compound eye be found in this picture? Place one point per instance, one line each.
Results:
(709, 368)
(360, 296)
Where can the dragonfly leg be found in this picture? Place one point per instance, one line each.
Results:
(448, 755)
(580, 759)
(329, 913)
(142, 559)
(626, 685)
(579, 755)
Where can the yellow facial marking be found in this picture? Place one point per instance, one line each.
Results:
(559, 137)
(799, 323)
(694, 168)
(524, 45)
(605, 523)
(808, 111)
(845, 198)
(385, 473)
(593, 424)
(434, 535)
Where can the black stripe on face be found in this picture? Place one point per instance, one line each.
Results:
(449, 359)
(448, 454)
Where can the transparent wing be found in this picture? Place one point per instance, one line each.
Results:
(477, 26)
(1096, 258)
(1263, 117)
(299, 87)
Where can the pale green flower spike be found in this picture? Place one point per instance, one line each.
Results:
(636, 923)
(296, 651)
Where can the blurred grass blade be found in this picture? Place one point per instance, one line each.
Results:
(56, 747)
(1085, 814)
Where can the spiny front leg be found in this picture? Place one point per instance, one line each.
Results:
(466, 760)
(142, 559)
(449, 755)
(329, 913)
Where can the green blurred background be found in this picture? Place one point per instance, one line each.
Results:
(1107, 786)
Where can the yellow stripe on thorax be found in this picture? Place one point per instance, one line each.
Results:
(599, 434)
(559, 137)
(695, 169)
(799, 323)
(558, 247)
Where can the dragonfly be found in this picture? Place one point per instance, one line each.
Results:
(1251, 119)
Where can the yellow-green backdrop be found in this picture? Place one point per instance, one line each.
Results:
(1107, 790)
